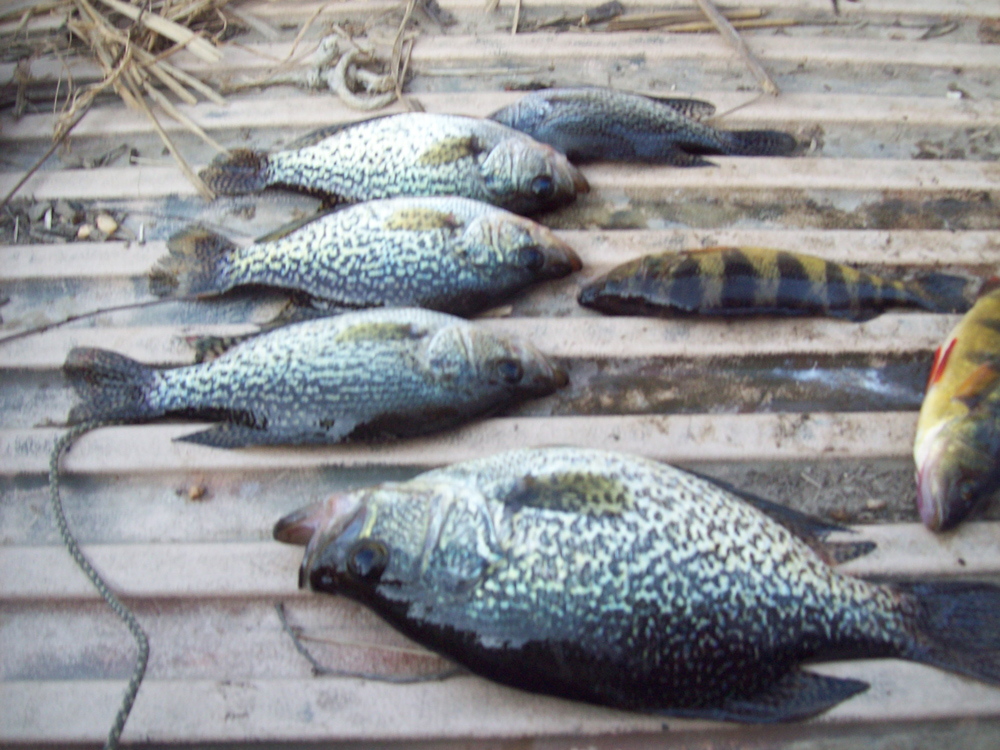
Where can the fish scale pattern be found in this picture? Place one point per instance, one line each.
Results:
(617, 580)
(449, 254)
(375, 373)
(428, 155)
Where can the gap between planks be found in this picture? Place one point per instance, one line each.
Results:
(464, 707)
(598, 249)
(579, 337)
(609, 183)
(311, 111)
(270, 569)
(684, 439)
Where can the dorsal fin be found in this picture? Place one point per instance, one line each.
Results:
(570, 492)
(696, 109)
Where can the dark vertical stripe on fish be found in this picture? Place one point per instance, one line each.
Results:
(838, 295)
(686, 285)
(739, 281)
(795, 287)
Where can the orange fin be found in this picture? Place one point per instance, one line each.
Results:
(978, 384)
(941, 356)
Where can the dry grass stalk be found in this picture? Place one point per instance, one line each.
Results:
(759, 23)
(736, 42)
(517, 18)
(397, 67)
(167, 28)
(644, 21)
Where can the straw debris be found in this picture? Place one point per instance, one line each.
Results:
(131, 43)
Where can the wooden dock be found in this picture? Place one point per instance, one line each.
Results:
(897, 105)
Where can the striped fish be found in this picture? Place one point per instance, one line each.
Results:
(761, 281)
(958, 434)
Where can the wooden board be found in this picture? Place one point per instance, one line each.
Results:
(898, 172)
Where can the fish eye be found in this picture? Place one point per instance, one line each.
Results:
(543, 186)
(510, 371)
(532, 258)
(367, 559)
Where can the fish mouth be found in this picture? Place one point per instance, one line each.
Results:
(315, 525)
(928, 504)
(561, 260)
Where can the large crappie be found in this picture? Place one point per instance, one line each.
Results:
(761, 281)
(372, 374)
(412, 154)
(591, 124)
(448, 254)
(620, 581)
(957, 447)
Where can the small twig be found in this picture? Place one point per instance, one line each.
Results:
(695, 27)
(642, 21)
(94, 313)
(397, 49)
(736, 42)
(56, 142)
(517, 17)
(303, 30)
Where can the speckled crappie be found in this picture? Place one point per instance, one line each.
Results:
(957, 447)
(624, 582)
(761, 281)
(363, 375)
(592, 124)
(413, 154)
(448, 254)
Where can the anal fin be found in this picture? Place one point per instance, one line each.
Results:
(796, 696)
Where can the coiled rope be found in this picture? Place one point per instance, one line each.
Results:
(102, 588)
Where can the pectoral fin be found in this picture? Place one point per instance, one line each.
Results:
(980, 382)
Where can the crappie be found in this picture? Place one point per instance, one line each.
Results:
(448, 254)
(624, 582)
(592, 124)
(371, 374)
(415, 154)
(957, 448)
(760, 281)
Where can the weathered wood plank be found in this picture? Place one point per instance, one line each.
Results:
(675, 439)
(547, 48)
(869, 8)
(464, 707)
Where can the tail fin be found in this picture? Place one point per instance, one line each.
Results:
(760, 143)
(193, 266)
(238, 172)
(940, 292)
(956, 626)
(111, 386)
